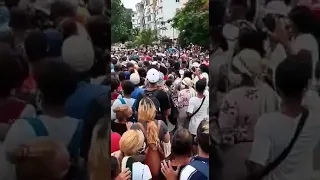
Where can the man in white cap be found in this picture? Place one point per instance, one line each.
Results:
(159, 97)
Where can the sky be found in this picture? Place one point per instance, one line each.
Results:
(130, 3)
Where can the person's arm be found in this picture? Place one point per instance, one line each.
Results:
(260, 148)
(164, 103)
(191, 106)
(4, 128)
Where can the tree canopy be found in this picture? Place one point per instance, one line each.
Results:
(121, 22)
(193, 23)
(146, 37)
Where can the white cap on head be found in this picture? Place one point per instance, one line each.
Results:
(135, 78)
(153, 75)
(277, 8)
(78, 52)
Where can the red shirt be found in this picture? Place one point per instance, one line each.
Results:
(115, 139)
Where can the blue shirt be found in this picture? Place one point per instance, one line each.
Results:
(79, 103)
(192, 173)
(137, 91)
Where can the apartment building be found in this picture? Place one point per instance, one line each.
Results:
(155, 14)
(135, 20)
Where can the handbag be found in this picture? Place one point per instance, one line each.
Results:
(273, 165)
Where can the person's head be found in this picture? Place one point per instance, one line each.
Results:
(302, 20)
(122, 76)
(164, 70)
(256, 41)
(204, 69)
(68, 27)
(44, 159)
(147, 113)
(237, 9)
(115, 83)
(246, 68)
(169, 82)
(61, 9)
(201, 86)
(96, 7)
(98, 28)
(127, 87)
(181, 143)
(56, 82)
(186, 83)
(131, 142)
(153, 77)
(54, 42)
(135, 79)
(78, 53)
(36, 46)
(292, 77)
(142, 72)
(19, 19)
(203, 137)
(123, 113)
(11, 71)
(130, 66)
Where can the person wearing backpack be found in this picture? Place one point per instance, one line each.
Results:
(56, 81)
(198, 167)
(127, 89)
(159, 97)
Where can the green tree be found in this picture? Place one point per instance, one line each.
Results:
(146, 37)
(121, 22)
(193, 23)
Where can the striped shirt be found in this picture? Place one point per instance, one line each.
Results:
(191, 173)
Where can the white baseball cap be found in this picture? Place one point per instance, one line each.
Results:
(135, 78)
(277, 7)
(78, 52)
(153, 75)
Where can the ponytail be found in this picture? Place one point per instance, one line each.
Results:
(152, 135)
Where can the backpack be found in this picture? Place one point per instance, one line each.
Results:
(133, 118)
(73, 146)
(153, 96)
(153, 157)
(200, 166)
(11, 110)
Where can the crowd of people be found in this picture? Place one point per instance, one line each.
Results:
(264, 86)
(54, 59)
(160, 113)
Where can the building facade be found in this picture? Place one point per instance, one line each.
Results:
(155, 14)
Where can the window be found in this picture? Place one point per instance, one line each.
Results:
(177, 0)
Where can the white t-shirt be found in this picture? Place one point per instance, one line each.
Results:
(117, 103)
(21, 132)
(273, 132)
(307, 42)
(141, 171)
(28, 111)
(194, 104)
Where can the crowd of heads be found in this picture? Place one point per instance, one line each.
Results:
(54, 59)
(160, 111)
